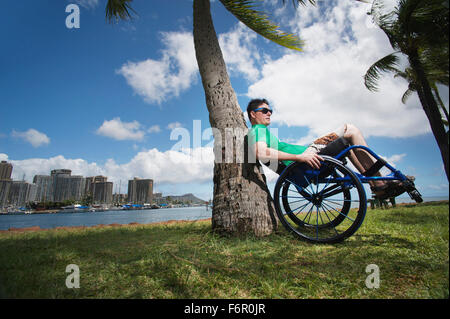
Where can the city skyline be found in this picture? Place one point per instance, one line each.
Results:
(61, 186)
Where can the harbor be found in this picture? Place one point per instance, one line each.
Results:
(77, 208)
(51, 220)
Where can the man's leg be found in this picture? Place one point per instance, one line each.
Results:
(363, 161)
(359, 157)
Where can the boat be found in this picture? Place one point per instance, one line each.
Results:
(77, 208)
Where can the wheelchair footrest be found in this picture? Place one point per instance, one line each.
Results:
(412, 191)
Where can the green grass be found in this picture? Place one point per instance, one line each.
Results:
(409, 245)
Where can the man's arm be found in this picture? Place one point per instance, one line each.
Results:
(264, 154)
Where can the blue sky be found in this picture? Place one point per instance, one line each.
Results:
(105, 98)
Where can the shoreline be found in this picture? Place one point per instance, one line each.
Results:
(58, 211)
(37, 228)
(168, 222)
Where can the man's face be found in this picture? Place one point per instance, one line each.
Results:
(259, 117)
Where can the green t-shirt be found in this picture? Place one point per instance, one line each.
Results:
(260, 133)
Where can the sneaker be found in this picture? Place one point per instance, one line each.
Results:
(388, 190)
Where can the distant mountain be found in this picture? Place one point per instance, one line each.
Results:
(187, 198)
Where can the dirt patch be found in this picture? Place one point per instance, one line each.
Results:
(13, 229)
(37, 228)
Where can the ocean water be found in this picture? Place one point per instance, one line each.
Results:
(144, 216)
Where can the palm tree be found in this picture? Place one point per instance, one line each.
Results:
(409, 75)
(242, 202)
(418, 29)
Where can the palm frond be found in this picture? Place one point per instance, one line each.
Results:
(407, 94)
(373, 74)
(118, 10)
(300, 2)
(402, 75)
(428, 19)
(385, 21)
(245, 11)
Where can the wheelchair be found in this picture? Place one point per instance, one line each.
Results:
(328, 205)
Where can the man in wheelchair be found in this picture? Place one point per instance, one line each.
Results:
(267, 147)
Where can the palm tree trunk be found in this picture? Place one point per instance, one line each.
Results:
(439, 101)
(242, 202)
(431, 108)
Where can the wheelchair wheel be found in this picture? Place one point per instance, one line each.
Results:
(326, 205)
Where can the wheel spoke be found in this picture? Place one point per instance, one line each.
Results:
(302, 188)
(295, 202)
(309, 212)
(323, 189)
(332, 193)
(326, 209)
(300, 200)
(309, 184)
(292, 211)
(329, 189)
(341, 200)
(337, 233)
(317, 222)
(320, 215)
(338, 211)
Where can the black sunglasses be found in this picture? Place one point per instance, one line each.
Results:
(264, 110)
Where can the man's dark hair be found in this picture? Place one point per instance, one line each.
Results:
(254, 104)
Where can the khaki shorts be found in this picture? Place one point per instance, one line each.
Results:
(323, 141)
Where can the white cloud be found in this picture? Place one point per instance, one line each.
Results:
(88, 4)
(173, 125)
(32, 136)
(119, 130)
(240, 52)
(322, 88)
(158, 80)
(154, 129)
(170, 167)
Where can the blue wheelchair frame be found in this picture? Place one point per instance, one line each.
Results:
(395, 173)
(380, 162)
(302, 177)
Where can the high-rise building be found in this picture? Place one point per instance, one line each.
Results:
(66, 186)
(56, 172)
(32, 193)
(140, 191)
(76, 187)
(5, 170)
(90, 183)
(21, 193)
(5, 186)
(5, 182)
(103, 192)
(59, 186)
(100, 189)
(44, 188)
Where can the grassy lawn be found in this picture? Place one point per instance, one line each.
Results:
(186, 260)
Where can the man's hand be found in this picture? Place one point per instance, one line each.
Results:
(310, 158)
